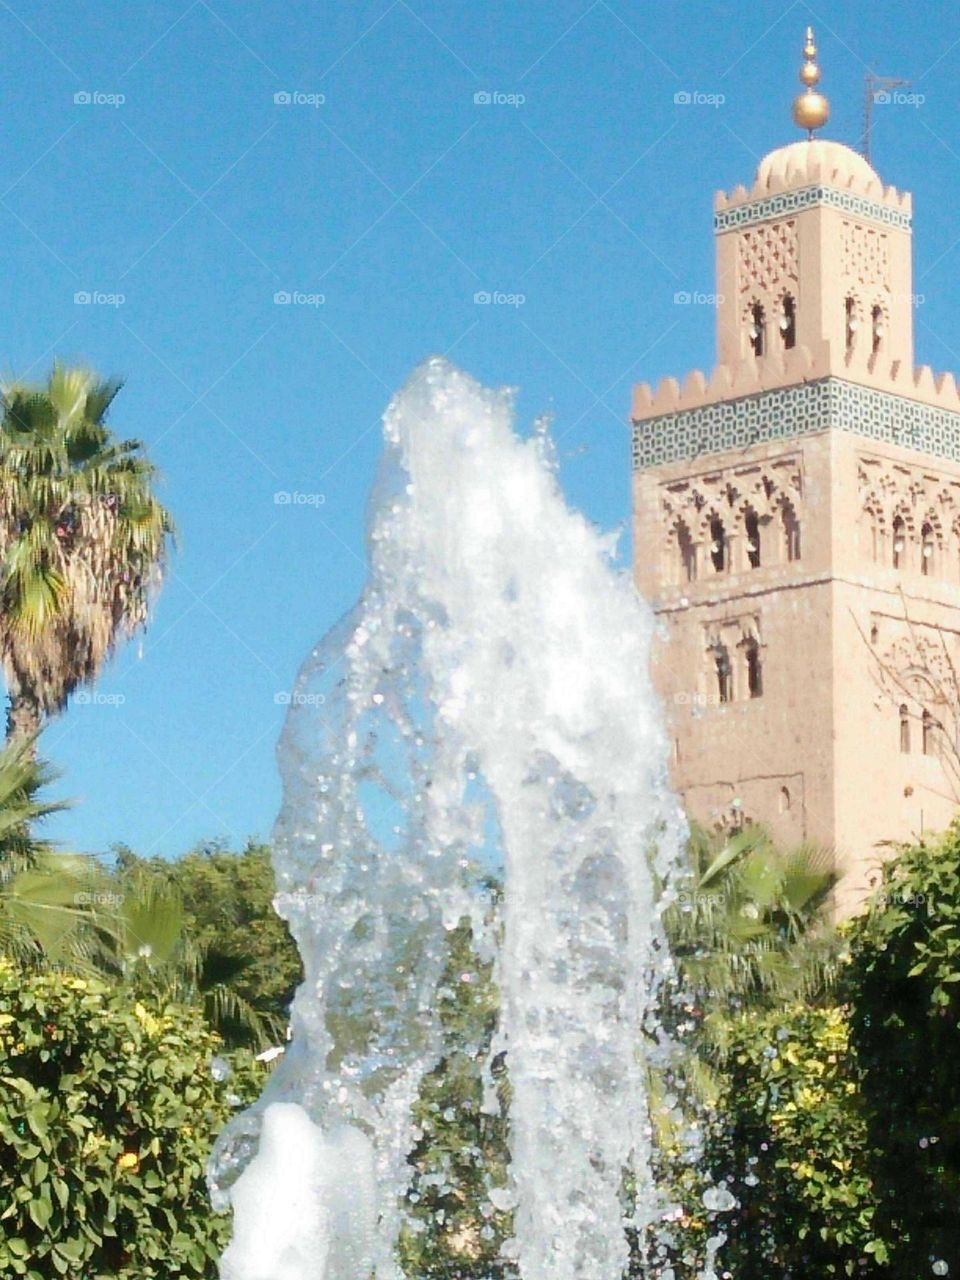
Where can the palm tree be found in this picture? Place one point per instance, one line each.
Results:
(748, 929)
(42, 893)
(149, 948)
(83, 540)
(748, 932)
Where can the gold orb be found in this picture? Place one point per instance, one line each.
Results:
(809, 74)
(811, 110)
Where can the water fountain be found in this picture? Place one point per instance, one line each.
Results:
(487, 704)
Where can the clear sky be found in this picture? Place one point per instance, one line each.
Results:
(183, 188)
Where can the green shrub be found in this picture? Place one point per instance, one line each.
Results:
(786, 1138)
(454, 1230)
(108, 1109)
(904, 986)
(794, 1137)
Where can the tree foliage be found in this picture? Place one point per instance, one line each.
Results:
(238, 944)
(108, 1109)
(82, 539)
(903, 985)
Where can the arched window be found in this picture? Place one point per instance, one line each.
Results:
(751, 527)
(899, 531)
(904, 729)
(686, 552)
(791, 531)
(929, 734)
(788, 323)
(784, 800)
(876, 316)
(852, 324)
(871, 527)
(754, 669)
(757, 331)
(926, 549)
(724, 672)
(718, 545)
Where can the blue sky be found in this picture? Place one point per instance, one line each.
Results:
(582, 187)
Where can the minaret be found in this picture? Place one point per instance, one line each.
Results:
(797, 518)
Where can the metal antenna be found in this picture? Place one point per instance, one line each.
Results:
(875, 85)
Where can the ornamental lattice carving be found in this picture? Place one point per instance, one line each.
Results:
(866, 256)
(731, 493)
(768, 257)
(915, 494)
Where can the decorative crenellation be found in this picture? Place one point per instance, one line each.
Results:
(866, 256)
(768, 257)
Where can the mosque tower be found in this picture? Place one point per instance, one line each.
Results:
(797, 522)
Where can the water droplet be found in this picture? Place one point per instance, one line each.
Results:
(719, 1199)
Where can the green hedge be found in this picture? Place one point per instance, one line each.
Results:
(903, 984)
(108, 1110)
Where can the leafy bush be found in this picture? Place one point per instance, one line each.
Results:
(904, 986)
(108, 1109)
(792, 1140)
(243, 947)
(454, 1228)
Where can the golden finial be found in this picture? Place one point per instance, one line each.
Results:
(811, 110)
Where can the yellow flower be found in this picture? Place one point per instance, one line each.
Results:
(129, 1160)
(147, 1020)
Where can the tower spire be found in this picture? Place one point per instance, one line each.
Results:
(811, 110)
